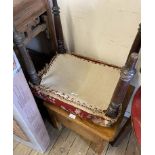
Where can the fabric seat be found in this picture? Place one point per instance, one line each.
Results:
(85, 87)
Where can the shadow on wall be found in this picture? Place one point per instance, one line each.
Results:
(40, 44)
(70, 44)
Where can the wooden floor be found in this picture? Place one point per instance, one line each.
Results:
(67, 142)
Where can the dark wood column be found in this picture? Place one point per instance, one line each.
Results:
(50, 25)
(58, 27)
(137, 42)
(127, 73)
(18, 39)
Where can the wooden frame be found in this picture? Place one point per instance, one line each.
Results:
(18, 39)
(28, 23)
(58, 27)
(33, 21)
(127, 73)
(87, 129)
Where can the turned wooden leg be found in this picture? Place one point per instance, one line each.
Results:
(58, 27)
(50, 26)
(127, 73)
(18, 39)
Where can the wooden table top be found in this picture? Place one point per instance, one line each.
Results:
(26, 10)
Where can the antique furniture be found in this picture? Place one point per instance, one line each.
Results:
(34, 20)
(96, 93)
(86, 128)
(32, 17)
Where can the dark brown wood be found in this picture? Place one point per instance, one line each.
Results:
(50, 25)
(122, 133)
(58, 27)
(127, 73)
(26, 12)
(137, 42)
(18, 39)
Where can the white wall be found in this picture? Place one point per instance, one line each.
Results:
(100, 29)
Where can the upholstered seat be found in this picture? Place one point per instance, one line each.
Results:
(90, 89)
(81, 83)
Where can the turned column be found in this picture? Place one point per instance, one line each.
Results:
(58, 27)
(137, 42)
(18, 39)
(127, 73)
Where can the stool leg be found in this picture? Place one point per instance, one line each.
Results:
(54, 121)
(123, 133)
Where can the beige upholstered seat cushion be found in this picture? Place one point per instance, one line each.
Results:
(81, 83)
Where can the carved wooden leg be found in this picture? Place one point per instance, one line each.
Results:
(18, 39)
(58, 27)
(127, 73)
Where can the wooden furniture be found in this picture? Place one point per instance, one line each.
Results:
(111, 115)
(84, 127)
(32, 17)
